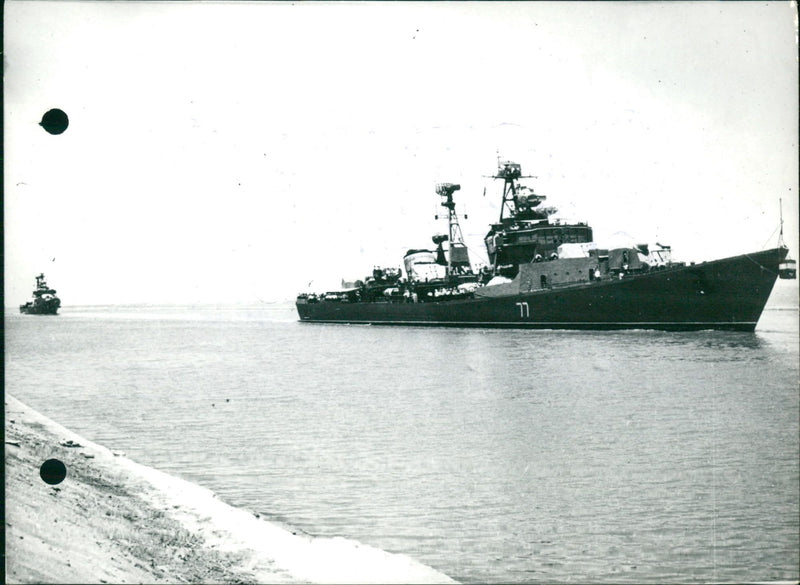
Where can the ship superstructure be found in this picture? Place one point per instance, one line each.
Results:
(524, 232)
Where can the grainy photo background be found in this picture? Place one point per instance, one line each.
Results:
(226, 152)
(221, 158)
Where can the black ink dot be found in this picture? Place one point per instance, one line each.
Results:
(53, 471)
(54, 121)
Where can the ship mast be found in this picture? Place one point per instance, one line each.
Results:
(456, 238)
(510, 173)
(781, 243)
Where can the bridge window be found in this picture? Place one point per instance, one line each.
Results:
(544, 281)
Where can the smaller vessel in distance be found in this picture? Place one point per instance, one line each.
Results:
(44, 302)
(787, 270)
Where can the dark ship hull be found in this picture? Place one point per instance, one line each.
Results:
(728, 294)
(40, 308)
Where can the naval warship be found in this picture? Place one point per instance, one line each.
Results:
(548, 273)
(44, 301)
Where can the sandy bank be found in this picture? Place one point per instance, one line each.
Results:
(95, 526)
(115, 521)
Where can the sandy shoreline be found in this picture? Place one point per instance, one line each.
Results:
(93, 527)
(115, 521)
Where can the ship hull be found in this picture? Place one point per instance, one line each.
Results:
(40, 308)
(728, 294)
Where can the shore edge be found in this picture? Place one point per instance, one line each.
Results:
(112, 520)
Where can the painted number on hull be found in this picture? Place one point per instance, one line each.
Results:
(524, 310)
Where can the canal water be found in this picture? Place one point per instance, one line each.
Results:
(489, 455)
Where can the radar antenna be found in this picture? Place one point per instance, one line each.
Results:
(510, 173)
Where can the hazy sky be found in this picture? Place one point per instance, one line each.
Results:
(236, 152)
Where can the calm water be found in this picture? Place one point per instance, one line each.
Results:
(489, 455)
